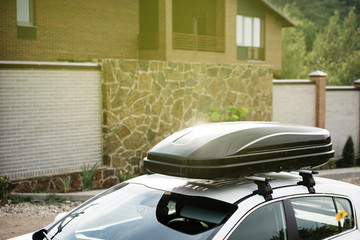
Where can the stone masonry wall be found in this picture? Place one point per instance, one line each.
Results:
(146, 101)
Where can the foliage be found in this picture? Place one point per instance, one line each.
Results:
(348, 154)
(329, 41)
(52, 199)
(123, 177)
(337, 50)
(88, 175)
(4, 184)
(65, 183)
(230, 114)
(16, 199)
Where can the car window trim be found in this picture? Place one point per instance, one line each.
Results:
(288, 214)
(291, 225)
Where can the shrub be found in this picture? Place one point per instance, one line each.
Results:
(65, 184)
(88, 175)
(123, 177)
(230, 114)
(348, 154)
(4, 184)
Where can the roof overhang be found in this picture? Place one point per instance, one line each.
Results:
(287, 22)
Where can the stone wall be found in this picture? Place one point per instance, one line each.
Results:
(145, 101)
(103, 178)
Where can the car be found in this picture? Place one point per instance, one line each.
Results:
(242, 180)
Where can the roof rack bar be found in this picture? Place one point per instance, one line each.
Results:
(307, 179)
(264, 188)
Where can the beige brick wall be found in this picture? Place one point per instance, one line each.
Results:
(273, 41)
(294, 102)
(343, 116)
(50, 120)
(72, 30)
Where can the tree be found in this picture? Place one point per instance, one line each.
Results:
(336, 50)
(348, 154)
(331, 39)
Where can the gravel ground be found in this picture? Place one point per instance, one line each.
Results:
(22, 218)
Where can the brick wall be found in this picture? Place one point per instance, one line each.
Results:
(273, 39)
(50, 119)
(72, 30)
(311, 103)
(294, 101)
(343, 116)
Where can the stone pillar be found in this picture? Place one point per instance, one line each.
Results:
(357, 84)
(320, 79)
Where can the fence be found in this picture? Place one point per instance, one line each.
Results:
(304, 102)
(50, 117)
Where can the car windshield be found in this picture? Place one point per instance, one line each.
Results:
(134, 211)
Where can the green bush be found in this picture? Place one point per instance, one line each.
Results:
(4, 184)
(348, 154)
(123, 177)
(88, 175)
(65, 184)
(229, 114)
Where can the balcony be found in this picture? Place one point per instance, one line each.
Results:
(251, 53)
(185, 41)
(255, 53)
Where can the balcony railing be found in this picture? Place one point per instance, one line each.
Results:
(255, 53)
(148, 41)
(195, 42)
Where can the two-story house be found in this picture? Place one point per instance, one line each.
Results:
(58, 116)
(225, 31)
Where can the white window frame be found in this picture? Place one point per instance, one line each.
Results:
(25, 13)
(249, 31)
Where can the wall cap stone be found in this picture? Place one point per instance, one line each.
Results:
(340, 88)
(317, 73)
(34, 64)
(293, 81)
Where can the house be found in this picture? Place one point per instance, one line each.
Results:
(173, 60)
(225, 31)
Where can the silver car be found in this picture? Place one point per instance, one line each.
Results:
(273, 206)
(247, 180)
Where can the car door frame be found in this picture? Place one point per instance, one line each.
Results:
(289, 216)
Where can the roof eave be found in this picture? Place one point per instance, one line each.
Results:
(287, 22)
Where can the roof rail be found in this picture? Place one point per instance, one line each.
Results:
(263, 185)
(307, 179)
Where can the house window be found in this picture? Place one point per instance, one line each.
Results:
(24, 12)
(249, 38)
(25, 19)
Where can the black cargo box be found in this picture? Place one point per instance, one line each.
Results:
(235, 149)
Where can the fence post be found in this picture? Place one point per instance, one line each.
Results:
(320, 79)
(357, 86)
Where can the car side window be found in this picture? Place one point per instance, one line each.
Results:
(321, 217)
(265, 223)
(344, 214)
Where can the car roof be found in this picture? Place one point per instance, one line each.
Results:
(227, 190)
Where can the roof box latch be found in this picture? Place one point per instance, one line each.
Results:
(308, 179)
(264, 188)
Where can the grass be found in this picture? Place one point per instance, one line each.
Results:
(16, 199)
(52, 199)
(88, 175)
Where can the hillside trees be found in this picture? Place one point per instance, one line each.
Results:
(336, 50)
(330, 45)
